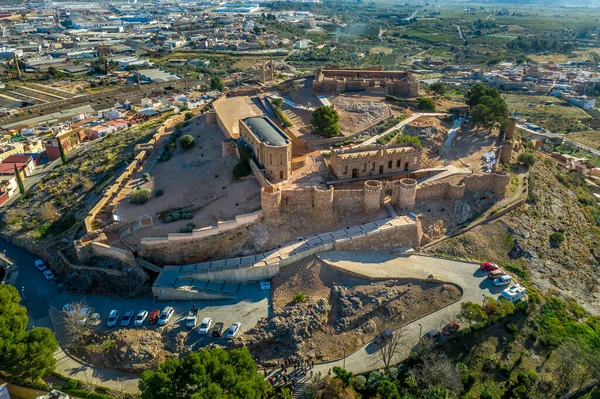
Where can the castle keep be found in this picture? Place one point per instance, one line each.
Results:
(271, 147)
(371, 162)
(376, 80)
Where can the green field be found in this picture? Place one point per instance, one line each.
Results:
(559, 116)
(591, 138)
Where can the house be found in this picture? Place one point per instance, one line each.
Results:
(69, 140)
(26, 161)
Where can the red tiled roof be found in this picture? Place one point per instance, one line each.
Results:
(18, 159)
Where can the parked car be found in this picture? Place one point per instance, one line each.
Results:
(140, 318)
(432, 334)
(384, 337)
(494, 274)
(502, 280)
(40, 265)
(113, 316)
(205, 326)
(514, 293)
(217, 330)
(192, 317)
(49, 275)
(165, 315)
(450, 328)
(127, 318)
(488, 266)
(233, 330)
(94, 319)
(153, 316)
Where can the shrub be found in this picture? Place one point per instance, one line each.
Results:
(176, 216)
(139, 196)
(189, 115)
(486, 395)
(186, 142)
(527, 158)
(360, 383)
(189, 229)
(557, 238)
(240, 170)
(192, 225)
(283, 118)
(146, 177)
(183, 229)
(169, 219)
(158, 193)
(300, 297)
(72, 384)
(189, 216)
(425, 104)
(409, 140)
(511, 328)
(277, 102)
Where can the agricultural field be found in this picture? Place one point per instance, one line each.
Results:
(590, 138)
(549, 112)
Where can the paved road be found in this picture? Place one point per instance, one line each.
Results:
(381, 265)
(373, 140)
(453, 132)
(44, 302)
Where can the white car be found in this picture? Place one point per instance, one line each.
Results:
(514, 293)
(112, 318)
(165, 315)
(502, 280)
(233, 330)
(49, 275)
(140, 318)
(40, 265)
(127, 318)
(205, 326)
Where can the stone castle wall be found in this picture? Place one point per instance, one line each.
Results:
(397, 83)
(374, 161)
(496, 182)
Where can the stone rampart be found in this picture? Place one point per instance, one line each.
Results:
(220, 227)
(109, 251)
(258, 174)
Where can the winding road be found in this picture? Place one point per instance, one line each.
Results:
(372, 264)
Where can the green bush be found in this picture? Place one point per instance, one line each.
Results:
(189, 115)
(158, 193)
(189, 229)
(557, 238)
(486, 395)
(169, 219)
(360, 383)
(146, 177)
(300, 297)
(527, 158)
(192, 225)
(511, 328)
(240, 170)
(176, 216)
(409, 140)
(325, 120)
(189, 216)
(283, 118)
(183, 229)
(71, 384)
(139, 196)
(425, 104)
(186, 142)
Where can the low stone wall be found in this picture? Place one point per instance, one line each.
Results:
(109, 251)
(221, 227)
(262, 180)
(496, 182)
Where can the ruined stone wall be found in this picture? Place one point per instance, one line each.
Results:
(491, 181)
(348, 201)
(439, 190)
(396, 83)
(211, 117)
(109, 251)
(496, 182)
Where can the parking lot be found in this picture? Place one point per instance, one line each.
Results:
(253, 304)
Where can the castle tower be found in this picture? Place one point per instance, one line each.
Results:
(506, 151)
(270, 201)
(372, 196)
(323, 203)
(510, 132)
(408, 194)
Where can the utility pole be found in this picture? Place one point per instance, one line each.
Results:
(262, 61)
(17, 65)
(272, 70)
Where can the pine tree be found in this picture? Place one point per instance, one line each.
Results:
(62, 151)
(19, 180)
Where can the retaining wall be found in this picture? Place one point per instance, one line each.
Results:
(113, 252)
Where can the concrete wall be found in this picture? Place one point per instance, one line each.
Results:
(113, 252)
(221, 226)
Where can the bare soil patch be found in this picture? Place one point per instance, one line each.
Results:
(340, 311)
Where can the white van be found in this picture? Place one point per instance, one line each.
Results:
(514, 293)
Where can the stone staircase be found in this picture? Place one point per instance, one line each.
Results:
(293, 117)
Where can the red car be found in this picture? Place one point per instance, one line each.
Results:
(488, 266)
(450, 328)
(153, 317)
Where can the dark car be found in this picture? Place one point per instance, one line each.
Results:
(153, 317)
(384, 337)
(217, 330)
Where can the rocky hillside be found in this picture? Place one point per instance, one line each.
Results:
(553, 241)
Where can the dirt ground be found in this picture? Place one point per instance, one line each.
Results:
(469, 147)
(359, 111)
(206, 175)
(341, 311)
